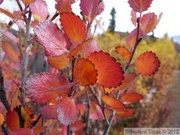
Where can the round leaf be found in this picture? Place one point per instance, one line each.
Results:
(85, 72)
(147, 63)
(110, 73)
(131, 97)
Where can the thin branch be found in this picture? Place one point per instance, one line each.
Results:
(36, 121)
(25, 55)
(4, 129)
(88, 113)
(100, 105)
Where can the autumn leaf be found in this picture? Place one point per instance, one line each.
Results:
(59, 62)
(140, 5)
(76, 29)
(39, 10)
(49, 111)
(112, 102)
(23, 131)
(1, 119)
(149, 22)
(80, 48)
(51, 38)
(63, 6)
(10, 52)
(12, 116)
(110, 73)
(131, 97)
(28, 1)
(66, 111)
(132, 37)
(7, 13)
(125, 113)
(133, 18)
(128, 79)
(44, 87)
(88, 7)
(85, 72)
(147, 63)
(123, 52)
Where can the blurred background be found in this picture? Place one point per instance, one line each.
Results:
(161, 104)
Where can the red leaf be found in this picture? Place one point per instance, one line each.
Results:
(147, 63)
(96, 112)
(149, 22)
(44, 87)
(110, 73)
(10, 52)
(23, 131)
(133, 17)
(64, 5)
(140, 5)
(76, 29)
(12, 120)
(66, 111)
(88, 7)
(39, 10)
(131, 39)
(112, 102)
(49, 111)
(59, 62)
(128, 78)
(85, 72)
(131, 97)
(92, 47)
(80, 47)
(123, 52)
(125, 113)
(51, 38)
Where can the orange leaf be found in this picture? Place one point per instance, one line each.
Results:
(147, 63)
(110, 73)
(73, 26)
(10, 52)
(28, 1)
(112, 102)
(124, 113)
(7, 13)
(80, 47)
(85, 72)
(123, 52)
(59, 62)
(1, 119)
(131, 97)
(12, 120)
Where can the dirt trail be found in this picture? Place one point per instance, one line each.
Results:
(173, 120)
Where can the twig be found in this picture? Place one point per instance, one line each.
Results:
(100, 105)
(88, 113)
(35, 122)
(4, 129)
(25, 56)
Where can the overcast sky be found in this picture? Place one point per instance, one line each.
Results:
(169, 24)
